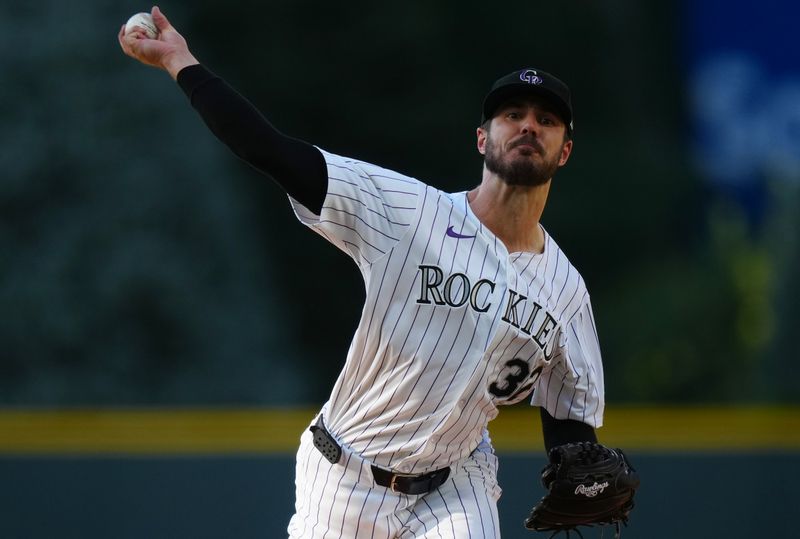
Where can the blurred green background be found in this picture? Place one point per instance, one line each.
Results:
(144, 265)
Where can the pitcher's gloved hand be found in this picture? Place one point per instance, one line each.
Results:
(588, 484)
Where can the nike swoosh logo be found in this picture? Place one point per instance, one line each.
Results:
(453, 234)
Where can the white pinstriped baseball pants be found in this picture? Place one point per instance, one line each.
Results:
(342, 501)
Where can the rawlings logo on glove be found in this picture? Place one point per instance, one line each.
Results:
(592, 491)
(588, 484)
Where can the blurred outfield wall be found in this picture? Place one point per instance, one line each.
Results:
(229, 473)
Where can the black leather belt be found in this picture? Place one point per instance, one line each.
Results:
(410, 484)
(398, 482)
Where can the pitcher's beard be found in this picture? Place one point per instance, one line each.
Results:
(518, 171)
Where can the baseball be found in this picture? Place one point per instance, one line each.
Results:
(143, 21)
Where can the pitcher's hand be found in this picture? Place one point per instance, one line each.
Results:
(168, 51)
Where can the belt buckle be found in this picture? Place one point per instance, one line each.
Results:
(395, 476)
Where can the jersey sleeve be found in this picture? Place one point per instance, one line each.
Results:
(572, 386)
(367, 209)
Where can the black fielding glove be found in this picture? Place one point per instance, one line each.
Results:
(588, 484)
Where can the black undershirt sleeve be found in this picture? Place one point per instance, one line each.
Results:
(298, 167)
(562, 431)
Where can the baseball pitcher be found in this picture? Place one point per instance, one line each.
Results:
(470, 305)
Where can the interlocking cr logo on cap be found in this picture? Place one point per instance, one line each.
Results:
(530, 76)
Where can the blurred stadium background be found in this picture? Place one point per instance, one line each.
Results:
(168, 328)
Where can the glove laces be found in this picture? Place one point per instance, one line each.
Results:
(566, 532)
(617, 532)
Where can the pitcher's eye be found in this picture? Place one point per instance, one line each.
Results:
(547, 120)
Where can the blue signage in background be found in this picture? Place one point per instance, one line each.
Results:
(744, 89)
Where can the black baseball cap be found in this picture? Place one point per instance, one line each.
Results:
(529, 81)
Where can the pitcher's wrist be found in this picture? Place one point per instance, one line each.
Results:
(174, 64)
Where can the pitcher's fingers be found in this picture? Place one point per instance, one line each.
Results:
(123, 42)
(161, 21)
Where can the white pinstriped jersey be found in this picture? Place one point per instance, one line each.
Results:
(453, 325)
